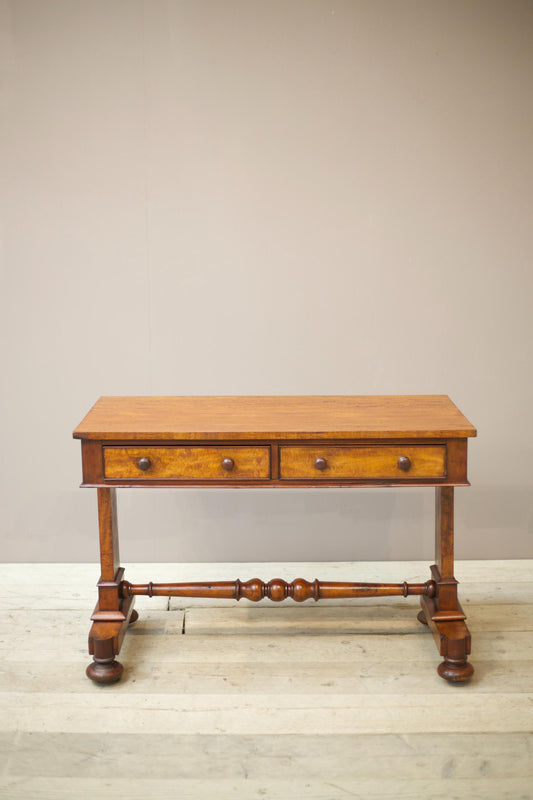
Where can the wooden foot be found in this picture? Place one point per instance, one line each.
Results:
(421, 617)
(105, 640)
(455, 670)
(104, 670)
(452, 639)
(134, 616)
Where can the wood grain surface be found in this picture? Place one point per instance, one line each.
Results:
(276, 418)
(182, 463)
(426, 461)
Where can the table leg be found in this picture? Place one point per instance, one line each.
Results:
(112, 614)
(443, 613)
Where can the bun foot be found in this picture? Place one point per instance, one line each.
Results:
(105, 670)
(421, 617)
(455, 670)
(134, 617)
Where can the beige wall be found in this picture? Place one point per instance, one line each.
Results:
(230, 197)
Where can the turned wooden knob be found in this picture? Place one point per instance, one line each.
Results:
(404, 463)
(144, 464)
(228, 464)
(321, 463)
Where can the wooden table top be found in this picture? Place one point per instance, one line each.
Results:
(275, 418)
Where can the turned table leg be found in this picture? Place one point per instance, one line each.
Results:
(112, 614)
(443, 613)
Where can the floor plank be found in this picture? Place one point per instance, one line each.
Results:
(360, 617)
(260, 756)
(323, 701)
(312, 787)
(245, 714)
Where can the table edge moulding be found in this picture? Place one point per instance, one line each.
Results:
(276, 442)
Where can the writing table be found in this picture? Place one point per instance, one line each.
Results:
(317, 442)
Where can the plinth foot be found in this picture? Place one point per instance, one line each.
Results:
(455, 670)
(134, 616)
(105, 670)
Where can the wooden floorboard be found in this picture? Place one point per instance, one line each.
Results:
(312, 787)
(322, 701)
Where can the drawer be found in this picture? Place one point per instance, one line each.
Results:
(363, 463)
(187, 463)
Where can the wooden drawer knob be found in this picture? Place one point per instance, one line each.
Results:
(404, 463)
(321, 463)
(228, 464)
(144, 464)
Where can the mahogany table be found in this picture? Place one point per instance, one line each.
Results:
(276, 442)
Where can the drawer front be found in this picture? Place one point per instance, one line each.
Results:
(187, 463)
(363, 463)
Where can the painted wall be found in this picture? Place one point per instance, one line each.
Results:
(239, 197)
